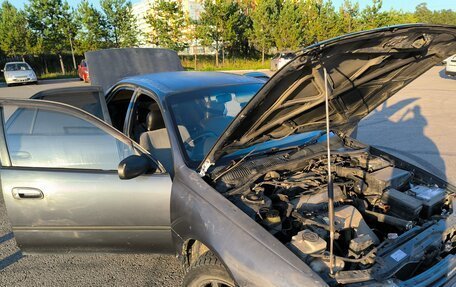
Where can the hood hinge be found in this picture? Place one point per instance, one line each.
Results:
(206, 165)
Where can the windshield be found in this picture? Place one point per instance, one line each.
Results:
(17, 67)
(201, 116)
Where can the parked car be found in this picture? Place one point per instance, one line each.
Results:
(19, 73)
(83, 71)
(450, 66)
(230, 173)
(280, 59)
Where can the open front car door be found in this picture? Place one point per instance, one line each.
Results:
(61, 186)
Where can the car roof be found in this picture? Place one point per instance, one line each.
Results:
(169, 83)
(16, 63)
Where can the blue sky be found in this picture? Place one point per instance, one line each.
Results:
(406, 5)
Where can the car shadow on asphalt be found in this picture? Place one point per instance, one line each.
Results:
(12, 253)
(11, 259)
(399, 129)
(9, 251)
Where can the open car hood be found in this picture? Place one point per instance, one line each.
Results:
(107, 67)
(364, 70)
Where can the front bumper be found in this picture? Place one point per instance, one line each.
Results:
(20, 80)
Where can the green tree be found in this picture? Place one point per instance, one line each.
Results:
(289, 30)
(372, 16)
(193, 37)
(50, 20)
(349, 13)
(14, 32)
(168, 22)
(210, 26)
(93, 33)
(224, 24)
(320, 21)
(236, 29)
(423, 14)
(121, 22)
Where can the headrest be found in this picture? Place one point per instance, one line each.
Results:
(154, 120)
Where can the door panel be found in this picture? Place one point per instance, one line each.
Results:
(61, 187)
(88, 210)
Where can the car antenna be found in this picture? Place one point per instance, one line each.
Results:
(330, 182)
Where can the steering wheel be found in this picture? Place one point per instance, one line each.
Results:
(204, 135)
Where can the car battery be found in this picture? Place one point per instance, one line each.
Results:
(432, 198)
(402, 205)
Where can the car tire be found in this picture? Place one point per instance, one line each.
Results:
(207, 270)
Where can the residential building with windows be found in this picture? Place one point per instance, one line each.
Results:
(141, 9)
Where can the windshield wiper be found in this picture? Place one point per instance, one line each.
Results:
(272, 150)
(233, 165)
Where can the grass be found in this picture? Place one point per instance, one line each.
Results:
(230, 64)
(53, 76)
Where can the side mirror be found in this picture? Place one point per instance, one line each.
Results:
(135, 165)
(2, 70)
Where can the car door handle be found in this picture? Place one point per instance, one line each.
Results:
(27, 192)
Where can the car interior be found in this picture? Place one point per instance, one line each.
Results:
(198, 130)
(147, 128)
(118, 107)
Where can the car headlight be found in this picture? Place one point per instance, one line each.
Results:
(31, 75)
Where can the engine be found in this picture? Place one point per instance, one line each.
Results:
(376, 205)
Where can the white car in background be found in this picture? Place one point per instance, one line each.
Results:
(280, 59)
(450, 66)
(19, 72)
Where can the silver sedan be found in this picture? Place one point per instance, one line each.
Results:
(19, 72)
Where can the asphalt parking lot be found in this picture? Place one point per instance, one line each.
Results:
(418, 124)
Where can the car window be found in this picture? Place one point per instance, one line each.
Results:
(88, 101)
(48, 139)
(118, 106)
(213, 109)
(17, 67)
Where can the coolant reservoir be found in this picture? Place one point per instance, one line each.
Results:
(308, 242)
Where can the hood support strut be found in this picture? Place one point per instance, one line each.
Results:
(330, 182)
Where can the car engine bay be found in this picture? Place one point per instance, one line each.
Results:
(392, 221)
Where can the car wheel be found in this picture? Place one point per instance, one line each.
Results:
(207, 271)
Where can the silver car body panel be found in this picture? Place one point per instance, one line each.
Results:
(81, 209)
(85, 210)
